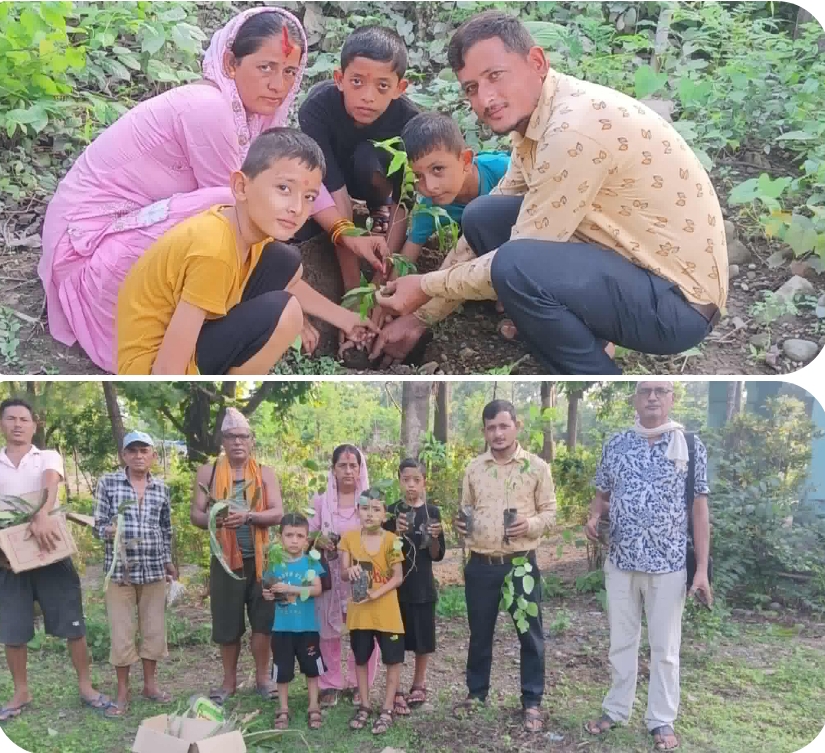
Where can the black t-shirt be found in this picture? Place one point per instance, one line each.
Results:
(322, 115)
(419, 585)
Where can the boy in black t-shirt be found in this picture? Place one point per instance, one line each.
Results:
(363, 103)
(417, 595)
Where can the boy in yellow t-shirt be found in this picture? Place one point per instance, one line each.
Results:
(373, 614)
(220, 293)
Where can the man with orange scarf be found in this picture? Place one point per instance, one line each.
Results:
(244, 536)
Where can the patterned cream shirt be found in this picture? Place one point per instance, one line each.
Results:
(596, 166)
(523, 482)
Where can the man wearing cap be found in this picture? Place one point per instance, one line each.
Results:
(244, 538)
(138, 584)
(25, 471)
(641, 484)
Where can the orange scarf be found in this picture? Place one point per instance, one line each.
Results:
(256, 497)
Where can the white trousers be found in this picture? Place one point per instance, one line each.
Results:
(663, 598)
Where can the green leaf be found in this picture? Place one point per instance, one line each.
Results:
(519, 572)
(506, 601)
(528, 568)
(217, 550)
(398, 162)
(522, 603)
(647, 81)
(154, 37)
(304, 593)
(532, 609)
(310, 574)
(528, 583)
(744, 192)
(522, 625)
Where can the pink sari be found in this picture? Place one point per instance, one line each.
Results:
(166, 160)
(331, 606)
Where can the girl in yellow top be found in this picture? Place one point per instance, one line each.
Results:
(220, 293)
(378, 617)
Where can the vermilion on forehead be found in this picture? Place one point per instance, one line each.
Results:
(272, 51)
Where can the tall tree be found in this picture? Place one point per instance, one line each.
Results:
(575, 392)
(548, 401)
(113, 409)
(415, 415)
(441, 423)
(734, 406)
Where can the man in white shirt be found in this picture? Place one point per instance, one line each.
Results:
(25, 471)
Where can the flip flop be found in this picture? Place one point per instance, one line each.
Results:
(7, 713)
(116, 711)
(101, 703)
(219, 695)
(160, 696)
(268, 693)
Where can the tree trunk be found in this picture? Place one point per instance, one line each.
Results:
(548, 400)
(441, 426)
(199, 438)
(804, 17)
(734, 404)
(573, 398)
(415, 415)
(39, 438)
(115, 417)
(661, 41)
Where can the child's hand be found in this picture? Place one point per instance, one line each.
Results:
(268, 594)
(435, 529)
(280, 588)
(371, 596)
(353, 573)
(401, 523)
(358, 330)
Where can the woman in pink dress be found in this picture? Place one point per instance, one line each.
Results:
(336, 511)
(164, 161)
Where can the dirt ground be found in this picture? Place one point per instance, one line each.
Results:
(468, 341)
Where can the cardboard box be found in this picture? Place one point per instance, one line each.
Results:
(152, 737)
(84, 520)
(23, 552)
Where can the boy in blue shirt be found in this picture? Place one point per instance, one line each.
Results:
(295, 632)
(447, 173)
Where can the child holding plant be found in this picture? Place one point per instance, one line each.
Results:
(293, 581)
(447, 175)
(419, 525)
(371, 561)
(221, 293)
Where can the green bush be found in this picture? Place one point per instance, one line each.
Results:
(451, 602)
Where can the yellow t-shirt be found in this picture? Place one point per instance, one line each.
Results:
(196, 261)
(384, 614)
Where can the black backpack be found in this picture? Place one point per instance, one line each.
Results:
(690, 484)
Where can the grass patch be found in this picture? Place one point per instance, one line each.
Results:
(451, 602)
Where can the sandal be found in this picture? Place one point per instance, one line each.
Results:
(533, 719)
(100, 703)
(116, 710)
(400, 707)
(362, 716)
(600, 726)
(417, 696)
(159, 696)
(314, 718)
(659, 735)
(281, 720)
(383, 722)
(219, 695)
(468, 706)
(328, 698)
(267, 692)
(7, 713)
(380, 220)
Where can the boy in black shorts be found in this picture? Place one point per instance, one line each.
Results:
(295, 630)
(423, 545)
(371, 561)
(363, 103)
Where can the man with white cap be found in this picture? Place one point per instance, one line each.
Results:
(642, 484)
(244, 539)
(141, 549)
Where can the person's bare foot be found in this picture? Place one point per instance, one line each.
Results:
(507, 329)
(610, 349)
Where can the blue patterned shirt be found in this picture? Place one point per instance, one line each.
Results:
(648, 511)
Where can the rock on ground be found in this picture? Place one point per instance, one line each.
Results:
(795, 286)
(800, 350)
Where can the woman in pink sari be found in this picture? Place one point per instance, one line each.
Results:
(336, 512)
(164, 161)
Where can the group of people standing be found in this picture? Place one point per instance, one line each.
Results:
(659, 545)
(166, 248)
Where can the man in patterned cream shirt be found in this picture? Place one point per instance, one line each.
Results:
(606, 228)
(506, 476)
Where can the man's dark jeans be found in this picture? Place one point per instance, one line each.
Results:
(482, 590)
(568, 299)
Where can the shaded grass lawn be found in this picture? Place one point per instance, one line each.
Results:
(762, 688)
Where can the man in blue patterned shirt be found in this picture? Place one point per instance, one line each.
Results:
(640, 484)
(145, 542)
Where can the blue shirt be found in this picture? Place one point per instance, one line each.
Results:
(299, 616)
(648, 510)
(491, 169)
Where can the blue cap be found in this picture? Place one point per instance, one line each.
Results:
(137, 436)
